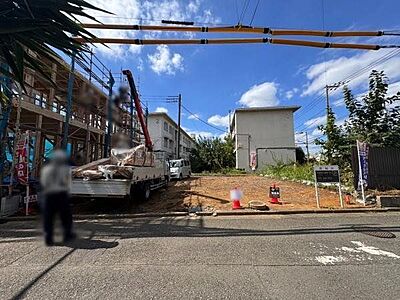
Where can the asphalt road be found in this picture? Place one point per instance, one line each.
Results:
(331, 256)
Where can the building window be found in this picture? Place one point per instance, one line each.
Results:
(165, 142)
(171, 129)
(166, 126)
(171, 144)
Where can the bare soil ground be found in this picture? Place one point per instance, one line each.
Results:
(212, 193)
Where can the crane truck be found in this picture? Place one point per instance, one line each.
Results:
(140, 181)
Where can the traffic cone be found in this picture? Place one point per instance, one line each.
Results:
(347, 199)
(274, 194)
(236, 196)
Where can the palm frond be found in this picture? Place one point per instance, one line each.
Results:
(41, 26)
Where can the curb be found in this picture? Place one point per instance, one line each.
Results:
(297, 212)
(216, 213)
(103, 216)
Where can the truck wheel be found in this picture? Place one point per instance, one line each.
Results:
(140, 192)
(146, 192)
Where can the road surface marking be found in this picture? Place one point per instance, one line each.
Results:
(373, 250)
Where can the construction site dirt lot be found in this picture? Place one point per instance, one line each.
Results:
(213, 193)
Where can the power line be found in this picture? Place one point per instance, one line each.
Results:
(353, 76)
(254, 13)
(201, 120)
(237, 11)
(155, 20)
(244, 9)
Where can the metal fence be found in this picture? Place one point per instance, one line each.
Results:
(383, 168)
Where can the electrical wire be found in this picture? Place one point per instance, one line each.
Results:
(237, 11)
(201, 120)
(155, 20)
(254, 13)
(353, 76)
(244, 9)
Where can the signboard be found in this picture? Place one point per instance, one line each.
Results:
(327, 174)
(21, 157)
(29, 199)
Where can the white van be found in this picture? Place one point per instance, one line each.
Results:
(180, 168)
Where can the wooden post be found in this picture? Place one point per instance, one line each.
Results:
(87, 145)
(38, 145)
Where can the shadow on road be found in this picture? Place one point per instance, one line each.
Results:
(177, 227)
(76, 244)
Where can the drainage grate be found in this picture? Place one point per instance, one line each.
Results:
(376, 232)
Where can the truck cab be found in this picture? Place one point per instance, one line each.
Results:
(180, 168)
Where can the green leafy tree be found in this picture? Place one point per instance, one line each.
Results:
(332, 146)
(374, 118)
(213, 154)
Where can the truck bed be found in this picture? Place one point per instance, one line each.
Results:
(117, 188)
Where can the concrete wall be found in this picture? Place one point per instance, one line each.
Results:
(264, 129)
(154, 125)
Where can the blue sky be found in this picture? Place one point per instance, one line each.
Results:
(215, 79)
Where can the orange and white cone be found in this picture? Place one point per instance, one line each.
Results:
(236, 196)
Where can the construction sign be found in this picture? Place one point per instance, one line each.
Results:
(21, 158)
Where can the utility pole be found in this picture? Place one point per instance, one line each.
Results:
(69, 102)
(308, 151)
(107, 144)
(179, 126)
(327, 87)
(229, 125)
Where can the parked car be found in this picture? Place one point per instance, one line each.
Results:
(180, 168)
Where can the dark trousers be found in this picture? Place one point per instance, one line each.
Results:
(57, 203)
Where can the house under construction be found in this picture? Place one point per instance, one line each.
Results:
(84, 89)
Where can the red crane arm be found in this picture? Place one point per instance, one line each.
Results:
(138, 106)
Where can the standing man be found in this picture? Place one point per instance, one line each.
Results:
(55, 179)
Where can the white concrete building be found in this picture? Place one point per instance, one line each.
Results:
(164, 134)
(263, 136)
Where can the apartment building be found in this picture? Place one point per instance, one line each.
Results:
(164, 134)
(263, 136)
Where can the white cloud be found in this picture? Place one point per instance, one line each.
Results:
(289, 94)
(338, 69)
(161, 110)
(338, 103)
(144, 12)
(393, 89)
(218, 120)
(163, 61)
(315, 122)
(264, 94)
(121, 9)
(198, 133)
(194, 117)
(300, 137)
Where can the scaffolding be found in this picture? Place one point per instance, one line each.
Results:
(43, 108)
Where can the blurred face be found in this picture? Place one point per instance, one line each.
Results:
(59, 157)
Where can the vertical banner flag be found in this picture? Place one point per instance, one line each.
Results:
(253, 160)
(21, 157)
(363, 149)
